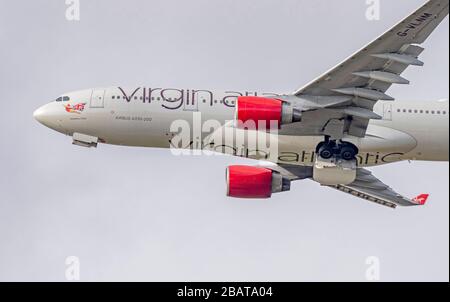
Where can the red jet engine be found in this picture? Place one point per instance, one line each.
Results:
(254, 182)
(260, 113)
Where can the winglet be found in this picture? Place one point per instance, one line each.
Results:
(421, 199)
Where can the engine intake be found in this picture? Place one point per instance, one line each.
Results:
(254, 182)
(261, 113)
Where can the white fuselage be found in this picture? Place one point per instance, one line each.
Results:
(144, 117)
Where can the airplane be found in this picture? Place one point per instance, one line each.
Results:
(329, 131)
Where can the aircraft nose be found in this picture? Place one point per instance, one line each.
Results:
(41, 115)
(46, 116)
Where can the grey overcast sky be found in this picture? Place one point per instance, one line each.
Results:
(132, 214)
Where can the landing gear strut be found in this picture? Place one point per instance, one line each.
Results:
(338, 149)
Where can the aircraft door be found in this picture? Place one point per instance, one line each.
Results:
(98, 99)
(387, 112)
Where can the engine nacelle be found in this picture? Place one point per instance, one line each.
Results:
(254, 182)
(261, 113)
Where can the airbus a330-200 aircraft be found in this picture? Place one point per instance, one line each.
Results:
(329, 131)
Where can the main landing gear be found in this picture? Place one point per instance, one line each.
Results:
(337, 149)
(335, 163)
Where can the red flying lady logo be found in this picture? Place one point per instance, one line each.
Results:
(421, 199)
(77, 108)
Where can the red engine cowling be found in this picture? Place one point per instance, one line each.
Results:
(261, 113)
(258, 113)
(254, 182)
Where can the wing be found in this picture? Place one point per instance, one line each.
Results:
(365, 77)
(368, 187)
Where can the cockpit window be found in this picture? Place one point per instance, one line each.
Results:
(63, 99)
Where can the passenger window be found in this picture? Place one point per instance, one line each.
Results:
(66, 99)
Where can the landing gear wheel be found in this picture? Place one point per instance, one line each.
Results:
(326, 152)
(348, 153)
(343, 150)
